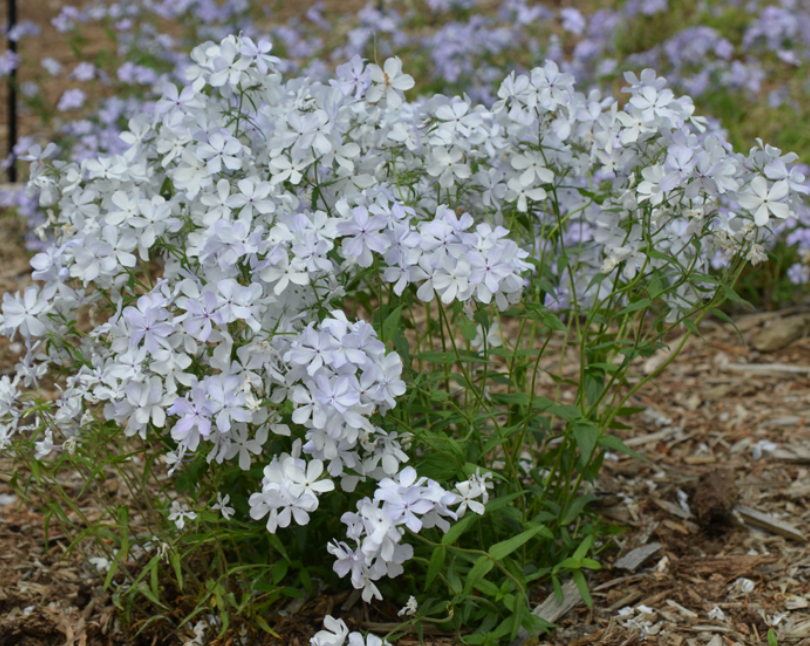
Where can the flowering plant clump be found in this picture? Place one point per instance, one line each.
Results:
(325, 320)
(717, 53)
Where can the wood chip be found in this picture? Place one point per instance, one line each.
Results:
(792, 602)
(671, 524)
(551, 609)
(681, 609)
(729, 567)
(587, 639)
(767, 369)
(791, 454)
(700, 459)
(634, 558)
(626, 600)
(750, 321)
(766, 521)
(798, 631)
(672, 508)
(797, 491)
(781, 333)
(658, 436)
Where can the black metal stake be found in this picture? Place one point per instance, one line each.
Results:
(12, 93)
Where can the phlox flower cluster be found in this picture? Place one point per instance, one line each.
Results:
(405, 502)
(246, 262)
(442, 256)
(463, 53)
(264, 202)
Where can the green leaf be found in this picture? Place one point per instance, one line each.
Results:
(154, 581)
(114, 568)
(552, 322)
(435, 565)
(455, 532)
(438, 466)
(279, 571)
(607, 367)
(437, 357)
(575, 508)
(487, 587)
(505, 548)
(145, 591)
(724, 317)
(513, 398)
(480, 316)
(454, 581)
(615, 444)
(469, 330)
(690, 325)
(582, 586)
(558, 591)
(594, 386)
(591, 564)
(564, 411)
(520, 611)
(174, 559)
(391, 323)
(583, 548)
(586, 435)
(449, 357)
(123, 521)
(261, 622)
(633, 307)
(306, 581)
(496, 503)
(598, 278)
(654, 253)
(478, 571)
(275, 541)
(731, 295)
(629, 410)
(656, 286)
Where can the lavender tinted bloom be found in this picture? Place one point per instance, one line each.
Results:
(71, 100)
(403, 500)
(226, 400)
(67, 18)
(148, 323)
(195, 418)
(8, 62)
(51, 65)
(572, 20)
(202, 315)
(354, 77)
(799, 274)
(83, 72)
(363, 236)
(22, 29)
